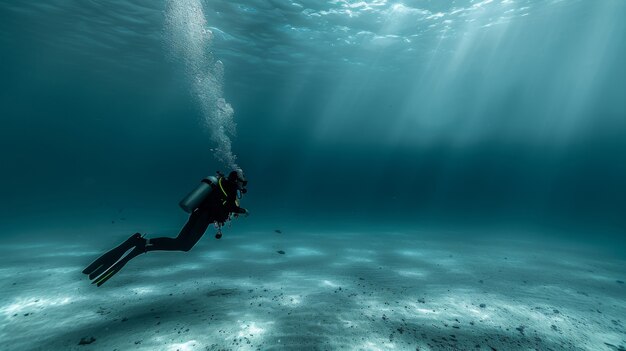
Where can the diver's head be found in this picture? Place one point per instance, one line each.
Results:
(238, 178)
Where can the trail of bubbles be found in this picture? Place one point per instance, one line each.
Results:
(189, 40)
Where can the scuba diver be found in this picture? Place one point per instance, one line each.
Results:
(215, 200)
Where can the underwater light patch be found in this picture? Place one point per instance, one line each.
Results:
(186, 346)
(27, 304)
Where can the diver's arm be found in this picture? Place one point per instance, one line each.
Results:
(234, 208)
(238, 209)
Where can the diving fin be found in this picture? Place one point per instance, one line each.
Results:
(115, 268)
(104, 262)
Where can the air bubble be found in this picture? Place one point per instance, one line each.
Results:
(189, 40)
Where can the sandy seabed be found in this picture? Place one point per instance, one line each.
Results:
(315, 291)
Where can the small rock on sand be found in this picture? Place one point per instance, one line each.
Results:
(86, 341)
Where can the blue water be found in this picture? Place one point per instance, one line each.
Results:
(467, 126)
(482, 112)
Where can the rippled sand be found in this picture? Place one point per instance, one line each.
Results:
(349, 291)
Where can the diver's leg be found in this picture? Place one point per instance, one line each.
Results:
(193, 230)
(186, 239)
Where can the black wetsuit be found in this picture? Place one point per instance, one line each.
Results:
(216, 208)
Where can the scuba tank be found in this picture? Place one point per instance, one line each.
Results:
(198, 195)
